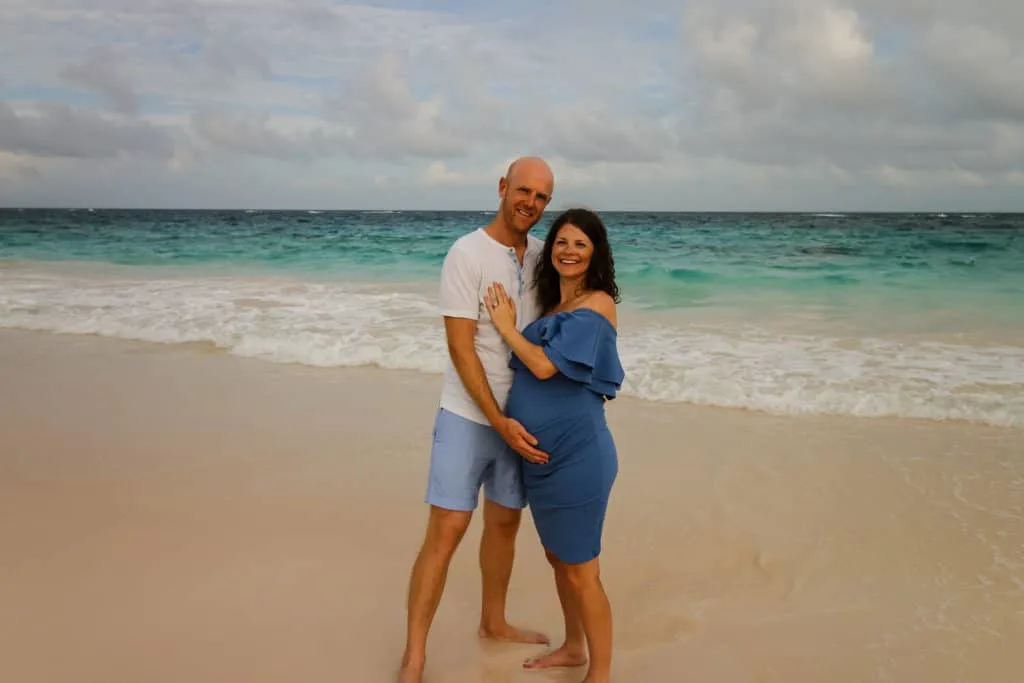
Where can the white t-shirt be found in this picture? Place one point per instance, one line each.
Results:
(474, 262)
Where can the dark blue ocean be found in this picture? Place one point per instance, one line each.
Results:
(906, 315)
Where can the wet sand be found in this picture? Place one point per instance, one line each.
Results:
(173, 514)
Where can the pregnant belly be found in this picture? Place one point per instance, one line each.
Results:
(568, 435)
(582, 468)
(552, 406)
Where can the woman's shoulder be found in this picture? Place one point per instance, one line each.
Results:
(603, 303)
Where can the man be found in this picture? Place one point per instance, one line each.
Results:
(474, 444)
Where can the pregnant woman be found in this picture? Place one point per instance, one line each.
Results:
(566, 367)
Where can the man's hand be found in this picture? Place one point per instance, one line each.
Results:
(521, 441)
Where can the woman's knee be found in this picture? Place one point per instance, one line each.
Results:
(583, 575)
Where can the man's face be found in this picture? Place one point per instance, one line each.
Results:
(525, 193)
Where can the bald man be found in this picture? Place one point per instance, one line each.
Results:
(475, 445)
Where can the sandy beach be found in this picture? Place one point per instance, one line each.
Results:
(178, 515)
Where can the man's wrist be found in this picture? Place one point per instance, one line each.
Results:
(497, 420)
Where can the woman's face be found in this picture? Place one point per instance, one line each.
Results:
(571, 252)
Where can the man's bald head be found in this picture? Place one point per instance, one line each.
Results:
(525, 192)
(532, 165)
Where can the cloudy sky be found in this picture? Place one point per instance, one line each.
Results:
(646, 104)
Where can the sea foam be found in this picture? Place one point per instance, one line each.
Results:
(336, 324)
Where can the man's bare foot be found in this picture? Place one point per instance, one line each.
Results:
(510, 634)
(563, 656)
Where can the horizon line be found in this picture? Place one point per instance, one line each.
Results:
(490, 210)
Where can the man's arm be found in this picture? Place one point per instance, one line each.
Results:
(461, 333)
(460, 306)
(462, 349)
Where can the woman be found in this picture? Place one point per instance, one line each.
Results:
(566, 366)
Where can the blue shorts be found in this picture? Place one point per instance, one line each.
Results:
(465, 455)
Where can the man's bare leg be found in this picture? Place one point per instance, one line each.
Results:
(445, 529)
(497, 553)
(573, 651)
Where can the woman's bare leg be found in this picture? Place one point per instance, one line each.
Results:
(573, 651)
(596, 615)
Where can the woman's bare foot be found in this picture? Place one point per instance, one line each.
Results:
(510, 634)
(412, 669)
(410, 674)
(563, 656)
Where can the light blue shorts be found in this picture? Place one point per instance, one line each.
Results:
(466, 455)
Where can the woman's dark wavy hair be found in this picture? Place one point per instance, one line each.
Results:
(600, 274)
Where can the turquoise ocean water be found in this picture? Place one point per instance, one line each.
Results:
(873, 315)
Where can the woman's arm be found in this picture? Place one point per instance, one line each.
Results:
(533, 356)
(503, 314)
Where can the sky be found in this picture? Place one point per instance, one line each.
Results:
(700, 105)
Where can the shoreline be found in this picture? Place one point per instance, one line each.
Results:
(215, 348)
(799, 360)
(174, 514)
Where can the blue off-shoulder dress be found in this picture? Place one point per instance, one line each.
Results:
(568, 495)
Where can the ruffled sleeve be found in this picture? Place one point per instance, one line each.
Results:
(581, 344)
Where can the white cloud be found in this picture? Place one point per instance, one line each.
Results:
(712, 104)
(57, 130)
(981, 71)
(15, 169)
(253, 135)
(384, 118)
(436, 173)
(104, 72)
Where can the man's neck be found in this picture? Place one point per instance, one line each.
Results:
(500, 232)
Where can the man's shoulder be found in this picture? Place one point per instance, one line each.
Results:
(465, 251)
(468, 241)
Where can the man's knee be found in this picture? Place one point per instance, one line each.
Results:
(445, 529)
